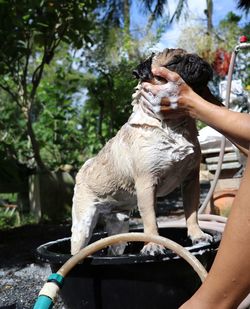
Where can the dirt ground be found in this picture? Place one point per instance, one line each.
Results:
(21, 274)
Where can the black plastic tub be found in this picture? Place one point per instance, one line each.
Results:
(130, 281)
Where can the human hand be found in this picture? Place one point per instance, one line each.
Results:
(165, 97)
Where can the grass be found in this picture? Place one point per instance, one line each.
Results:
(9, 217)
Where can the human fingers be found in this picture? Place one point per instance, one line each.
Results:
(166, 106)
(155, 93)
(156, 103)
(167, 109)
(168, 75)
(150, 96)
(150, 88)
(170, 113)
(150, 106)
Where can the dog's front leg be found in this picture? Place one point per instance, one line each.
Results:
(117, 223)
(191, 198)
(84, 218)
(146, 199)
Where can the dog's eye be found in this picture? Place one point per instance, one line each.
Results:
(173, 63)
(160, 79)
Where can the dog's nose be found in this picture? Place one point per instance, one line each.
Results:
(143, 73)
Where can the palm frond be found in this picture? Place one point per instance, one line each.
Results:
(181, 8)
(244, 5)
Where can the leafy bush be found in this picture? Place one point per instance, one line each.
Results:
(8, 220)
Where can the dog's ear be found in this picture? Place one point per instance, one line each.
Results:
(143, 70)
(207, 95)
(195, 71)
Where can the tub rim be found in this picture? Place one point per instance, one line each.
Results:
(44, 254)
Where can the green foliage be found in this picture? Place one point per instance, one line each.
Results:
(224, 37)
(108, 104)
(8, 220)
(41, 125)
(10, 197)
(26, 219)
(43, 22)
(57, 123)
(30, 32)
(43, 122)
(68, 129)
(54, 119)
(12, 130)
(229, 31)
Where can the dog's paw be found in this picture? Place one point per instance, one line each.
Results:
(117, 250)
(153, 249)
(201, 238)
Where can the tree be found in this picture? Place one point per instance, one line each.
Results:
(30, 33)
(58, 108)
(244, 5)
(13, 143)
(217, 47)
(181, 7)
(108, 104)
(209, 14)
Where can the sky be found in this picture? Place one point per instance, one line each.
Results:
(196, 9)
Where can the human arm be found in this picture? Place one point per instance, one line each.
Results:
(228, 281)
(233, 125)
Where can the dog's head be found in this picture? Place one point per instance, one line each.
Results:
(195, 71)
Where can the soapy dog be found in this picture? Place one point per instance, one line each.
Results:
(149, 157)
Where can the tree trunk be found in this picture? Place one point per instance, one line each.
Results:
(209, 13)
(126, 30)
(99, 124)
(35, 144)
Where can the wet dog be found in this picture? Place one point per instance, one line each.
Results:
(149, 157)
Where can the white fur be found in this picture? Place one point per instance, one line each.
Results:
(165, 151)
(149, 157)
(169, 90)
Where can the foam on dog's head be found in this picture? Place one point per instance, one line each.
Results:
(195, 71)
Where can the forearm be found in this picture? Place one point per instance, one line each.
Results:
(233, 125)
(228, 281)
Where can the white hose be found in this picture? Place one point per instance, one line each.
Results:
(120, 238)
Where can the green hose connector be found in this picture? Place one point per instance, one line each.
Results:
(43, 302)
(57, 278)
(49, 291)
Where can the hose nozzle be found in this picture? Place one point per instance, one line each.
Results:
(243, 44)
